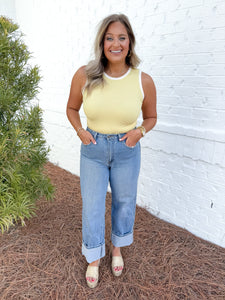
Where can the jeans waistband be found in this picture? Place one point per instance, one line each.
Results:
(113, 136)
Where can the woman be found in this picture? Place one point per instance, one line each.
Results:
(113, 93)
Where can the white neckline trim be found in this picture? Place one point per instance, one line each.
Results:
(117, 78)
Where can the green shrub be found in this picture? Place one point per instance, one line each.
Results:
(23, 150)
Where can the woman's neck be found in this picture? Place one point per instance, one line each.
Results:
(116, 70)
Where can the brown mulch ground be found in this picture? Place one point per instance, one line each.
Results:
(43, 259)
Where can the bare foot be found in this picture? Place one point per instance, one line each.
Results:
(93, 264)
(116, 252)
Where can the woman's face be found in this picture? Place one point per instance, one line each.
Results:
(116, 43)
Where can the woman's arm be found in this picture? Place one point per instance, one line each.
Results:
(148, 111)
(74, 105)
(149, 103)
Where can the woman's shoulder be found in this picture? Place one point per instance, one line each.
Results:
(81, 72)
(147, 82)
(146, 79)
(80, 75)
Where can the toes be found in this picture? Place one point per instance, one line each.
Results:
(118, 268)
(90, 279)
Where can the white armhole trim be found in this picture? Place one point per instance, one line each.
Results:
(140, 82)
(83, 89)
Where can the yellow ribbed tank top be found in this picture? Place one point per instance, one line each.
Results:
(114, 108)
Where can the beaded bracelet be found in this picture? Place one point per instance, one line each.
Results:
(79, 129)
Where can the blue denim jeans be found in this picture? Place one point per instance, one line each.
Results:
(109, 161)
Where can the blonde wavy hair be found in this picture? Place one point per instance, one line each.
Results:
(95, 68)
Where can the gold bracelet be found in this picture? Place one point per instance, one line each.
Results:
(79, 129)
(142, 129)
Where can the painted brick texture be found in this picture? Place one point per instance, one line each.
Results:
(182, 46)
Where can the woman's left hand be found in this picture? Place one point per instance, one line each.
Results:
(132, 137)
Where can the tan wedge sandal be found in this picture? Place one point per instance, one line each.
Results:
(117, 262)
(92, 272)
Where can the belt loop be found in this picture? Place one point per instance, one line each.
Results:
(95, 135)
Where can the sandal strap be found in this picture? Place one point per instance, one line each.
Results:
(92, 271)
(117, 261)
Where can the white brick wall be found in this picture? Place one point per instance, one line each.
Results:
(7, 7)
(182, 46)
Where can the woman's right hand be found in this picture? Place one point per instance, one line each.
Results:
(86, 137)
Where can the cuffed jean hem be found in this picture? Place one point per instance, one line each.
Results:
(121, 241)
(93, 254)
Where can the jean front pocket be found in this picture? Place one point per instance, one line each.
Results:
(86, 144)
(85, 148)
(129, 146)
